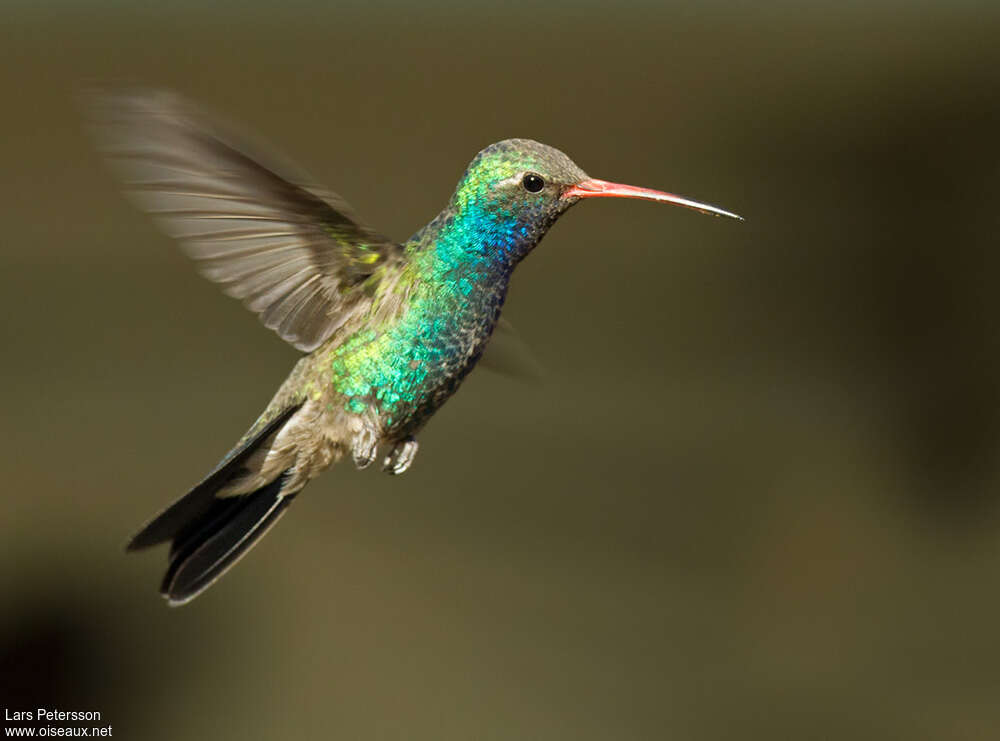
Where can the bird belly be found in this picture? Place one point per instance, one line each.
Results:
(395, 379)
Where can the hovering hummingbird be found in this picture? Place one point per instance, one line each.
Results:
(389, 329)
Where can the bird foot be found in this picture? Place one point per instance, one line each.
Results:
(365, 448)
(400, 457)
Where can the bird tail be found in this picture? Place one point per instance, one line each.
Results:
(208, 534)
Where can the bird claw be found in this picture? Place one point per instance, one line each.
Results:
(400, 457)
(365, 448)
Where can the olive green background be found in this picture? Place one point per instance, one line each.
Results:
(755, 495)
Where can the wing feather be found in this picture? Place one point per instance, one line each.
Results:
(293, 254)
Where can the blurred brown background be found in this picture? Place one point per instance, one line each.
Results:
(756, 495)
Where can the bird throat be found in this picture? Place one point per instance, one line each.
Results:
(479, 242)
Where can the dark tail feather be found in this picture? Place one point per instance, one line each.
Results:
(208, 546)
(208, 534)
(201, 499)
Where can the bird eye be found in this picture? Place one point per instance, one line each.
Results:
(532, 182)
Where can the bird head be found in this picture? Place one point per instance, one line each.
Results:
(515, 190)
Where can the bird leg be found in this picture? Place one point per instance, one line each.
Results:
(365, 447)
(400, 457)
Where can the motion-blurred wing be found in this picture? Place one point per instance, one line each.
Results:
(508, 354)
(293, 254)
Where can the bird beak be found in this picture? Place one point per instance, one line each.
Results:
(594, 188)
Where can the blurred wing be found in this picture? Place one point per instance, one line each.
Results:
(291, 253)
(508, 354)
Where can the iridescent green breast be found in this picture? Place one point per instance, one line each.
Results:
(404, 369)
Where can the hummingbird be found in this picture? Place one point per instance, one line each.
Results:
(388, 329)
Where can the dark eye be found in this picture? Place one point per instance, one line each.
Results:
(532, 182)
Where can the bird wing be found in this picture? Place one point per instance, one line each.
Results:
(508, 354)
(293, 254)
